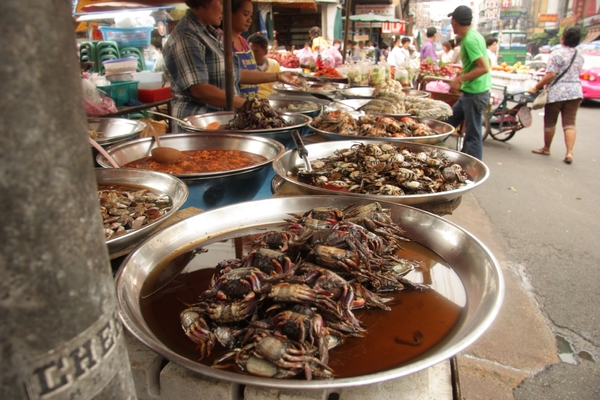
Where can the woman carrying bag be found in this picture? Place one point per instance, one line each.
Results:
(564, 93)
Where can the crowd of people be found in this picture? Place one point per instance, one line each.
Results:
(194, 59)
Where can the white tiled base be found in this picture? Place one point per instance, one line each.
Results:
(158, 379)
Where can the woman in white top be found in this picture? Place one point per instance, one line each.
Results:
(456, 52)
(492, 46)
(447, 53)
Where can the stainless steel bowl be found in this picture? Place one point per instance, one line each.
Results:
(364, 92)
(313, 87)
(208, 190)
(287, 164)
(443, 131)
(282, 135)
(415, 93)
(473, 263)
(115, 130)
(281, 107)
(155, 181)
(356, 104)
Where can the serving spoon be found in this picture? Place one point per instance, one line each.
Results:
(163, 154)
(181, 121)
(98, 147)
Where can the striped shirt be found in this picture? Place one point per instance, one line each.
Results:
(194, 54)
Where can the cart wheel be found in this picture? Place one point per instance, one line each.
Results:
(486, 128)
(502, 136)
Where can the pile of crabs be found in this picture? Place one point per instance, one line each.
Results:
(343, 123)
(281, 308)
(256, 114)
(385, 169)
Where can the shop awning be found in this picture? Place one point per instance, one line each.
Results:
(311, 4)
(593, 33)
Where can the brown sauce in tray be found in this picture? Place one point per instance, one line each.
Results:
(417, 322)
(201, 161)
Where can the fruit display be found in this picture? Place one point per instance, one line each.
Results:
(517, 68)
(429, 67)
(286, 60)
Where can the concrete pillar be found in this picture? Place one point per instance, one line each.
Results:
(60, 335)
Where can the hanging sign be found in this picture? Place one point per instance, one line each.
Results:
(394, 27)
(548, 18)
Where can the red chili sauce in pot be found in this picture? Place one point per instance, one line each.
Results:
(201, 161)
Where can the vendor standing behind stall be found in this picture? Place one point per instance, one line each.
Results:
(260, 46)
(240, 23)
(195, 59)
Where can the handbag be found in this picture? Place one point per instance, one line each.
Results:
(542, 98)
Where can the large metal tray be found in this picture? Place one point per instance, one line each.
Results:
(312, 88)
(282, 135)
(287, 164)
(443, 129)
(157, 181)
(284, 104)
(115, 130)
(356, 104)
(473, 263)
(363, 92)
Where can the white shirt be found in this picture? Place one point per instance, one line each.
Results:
(398, 56)
(493, 58)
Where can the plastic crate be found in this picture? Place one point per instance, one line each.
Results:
(139, 36)
(121, 91)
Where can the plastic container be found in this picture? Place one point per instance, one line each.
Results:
(139, 36)
(152, 95)
(149, 80)
(121, 92)
(120, 65)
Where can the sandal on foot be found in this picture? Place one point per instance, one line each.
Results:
(568, 160)
(541, 151)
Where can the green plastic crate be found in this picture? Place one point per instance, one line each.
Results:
(121, 91)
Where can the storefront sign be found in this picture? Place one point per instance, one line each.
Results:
(548, 18)
(394, 27)
(510, 13)
(568, 21)
(591, 21)
(360, 38)
(378, 9)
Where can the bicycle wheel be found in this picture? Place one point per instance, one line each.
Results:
(499, 132)
(486, 127)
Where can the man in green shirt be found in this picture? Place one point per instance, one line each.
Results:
(475, 81)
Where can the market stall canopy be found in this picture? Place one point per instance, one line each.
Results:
(373, 18)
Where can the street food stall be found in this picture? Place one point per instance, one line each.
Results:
(325, 267)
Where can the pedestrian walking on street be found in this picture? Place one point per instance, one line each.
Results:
(564, 92)
(475, 81)
(428, 48)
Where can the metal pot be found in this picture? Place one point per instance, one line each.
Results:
(282, 135)
(472, 262)
(215, 189)
(287, 164)
(156, 181)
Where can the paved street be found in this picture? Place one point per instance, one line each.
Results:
(539, 216)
